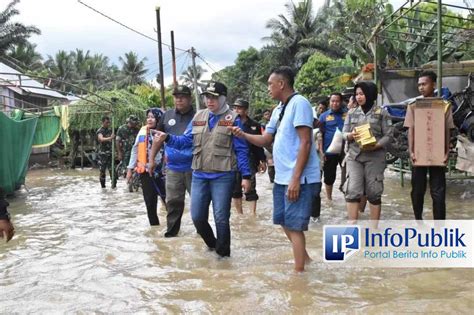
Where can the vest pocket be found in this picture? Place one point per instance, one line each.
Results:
(223, 138)
(197, 136)
(222, 159)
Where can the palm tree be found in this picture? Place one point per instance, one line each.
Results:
(289, 31)
(13, 33)
(61, 67)
(133, 70)
(26, 56)
(97, 72)
(80, 60)
(188, 75)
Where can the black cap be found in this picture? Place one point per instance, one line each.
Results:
(241, 103)
(182, 90)
(215, 88)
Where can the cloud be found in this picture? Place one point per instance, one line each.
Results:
(218, 29)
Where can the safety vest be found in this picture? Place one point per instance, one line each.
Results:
(212, 149)
(142, 156)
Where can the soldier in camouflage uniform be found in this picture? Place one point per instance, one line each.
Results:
(105, 136)
(365, 167)
(126, 135)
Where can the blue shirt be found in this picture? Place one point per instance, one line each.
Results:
(330, 121)
(239, 145)
(298, 113)
(174, 122)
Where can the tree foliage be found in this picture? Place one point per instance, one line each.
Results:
(133, 69)
(247, 78)
(26, 54)
(316, 79)
(87, 113)
(13, 33)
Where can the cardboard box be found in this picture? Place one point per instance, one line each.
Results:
(429, 137)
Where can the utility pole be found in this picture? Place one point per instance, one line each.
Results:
(160, 58)
(440, 47)
(173, 58)
(196, 95)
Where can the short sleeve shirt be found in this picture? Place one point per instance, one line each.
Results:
(410, 117)
(330, 122)
(106, 146)
(127, 137)
(298, 113)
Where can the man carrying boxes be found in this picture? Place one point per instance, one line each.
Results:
(429, 121)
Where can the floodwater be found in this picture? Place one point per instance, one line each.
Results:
(79, 249)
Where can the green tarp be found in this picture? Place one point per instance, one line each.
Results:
(47, 131)
(16, 140)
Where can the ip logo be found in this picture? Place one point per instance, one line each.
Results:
(340, 242)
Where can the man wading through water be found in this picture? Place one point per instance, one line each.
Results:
(297, 175)
(178, 166)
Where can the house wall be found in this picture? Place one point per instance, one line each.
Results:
(6, 100)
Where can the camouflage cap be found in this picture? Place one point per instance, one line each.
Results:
(241, 103)
(133, 119)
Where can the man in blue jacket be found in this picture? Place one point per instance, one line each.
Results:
(217, 155)
(329, 122)
(178, 166)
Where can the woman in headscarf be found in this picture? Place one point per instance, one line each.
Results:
(153, 185)
(217, 155)
(366, 164)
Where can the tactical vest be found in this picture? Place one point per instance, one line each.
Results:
(212, 149)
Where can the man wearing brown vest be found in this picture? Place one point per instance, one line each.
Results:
(217, 155)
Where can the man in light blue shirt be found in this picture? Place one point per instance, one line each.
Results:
(297, 174)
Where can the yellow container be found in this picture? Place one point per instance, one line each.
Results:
(366, 138)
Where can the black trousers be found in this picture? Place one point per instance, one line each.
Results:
(316, 204)
(271, 173)
(437, 190)
(330, 168)
(152, 187)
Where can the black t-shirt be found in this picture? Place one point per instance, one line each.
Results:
(256, 153)
(174, 122)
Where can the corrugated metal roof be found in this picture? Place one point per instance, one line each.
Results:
(34, 87)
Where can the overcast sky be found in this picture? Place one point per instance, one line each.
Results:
(218, 29)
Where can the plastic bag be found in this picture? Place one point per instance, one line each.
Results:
(336, 144)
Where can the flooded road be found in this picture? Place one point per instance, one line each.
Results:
(80, 249)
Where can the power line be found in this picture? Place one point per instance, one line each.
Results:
(153, 72)
(128, 27)
(251, 86)
(186, 62)
(216, 72)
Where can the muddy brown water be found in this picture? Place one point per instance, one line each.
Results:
(80, 249)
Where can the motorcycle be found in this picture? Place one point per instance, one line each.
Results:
(134, 184)
(463, 116)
